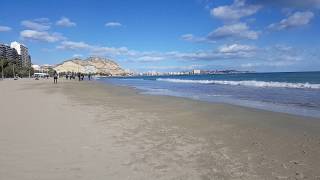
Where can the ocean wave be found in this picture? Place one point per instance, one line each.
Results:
(246, 83)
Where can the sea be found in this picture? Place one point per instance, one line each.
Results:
(295, 93)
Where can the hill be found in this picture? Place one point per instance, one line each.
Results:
(94, 65)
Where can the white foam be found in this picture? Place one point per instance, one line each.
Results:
(246, 83)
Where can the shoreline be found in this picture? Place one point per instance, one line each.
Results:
(139, 92)
(89, 130)
(288, 112)
(295, 101)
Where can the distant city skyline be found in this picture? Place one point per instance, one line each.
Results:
(168, 36)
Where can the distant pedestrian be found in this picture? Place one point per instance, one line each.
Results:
(67, 77)
(89, 76)
(79, 76)
(82, 77)
(55, 78)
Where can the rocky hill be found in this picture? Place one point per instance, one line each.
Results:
(94, 65)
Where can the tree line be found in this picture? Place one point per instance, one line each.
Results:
(10, 69)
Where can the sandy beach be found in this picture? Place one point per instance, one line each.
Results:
(85, 130)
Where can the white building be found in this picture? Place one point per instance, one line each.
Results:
(41, 68)
(196, 71)
(36, 67)
(23, 53)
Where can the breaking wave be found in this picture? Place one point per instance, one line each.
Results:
(246, 83)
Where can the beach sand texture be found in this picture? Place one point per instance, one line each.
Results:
(85, 130)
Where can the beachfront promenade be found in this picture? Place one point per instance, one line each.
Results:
(84, 130)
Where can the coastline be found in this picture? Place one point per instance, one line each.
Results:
(297, 97)
(91, 130)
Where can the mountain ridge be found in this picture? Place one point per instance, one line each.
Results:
(92, 64)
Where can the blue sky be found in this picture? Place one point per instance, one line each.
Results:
(169, 35)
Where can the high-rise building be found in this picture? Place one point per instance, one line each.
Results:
(3, 51)
(23, 53)
(8, 53)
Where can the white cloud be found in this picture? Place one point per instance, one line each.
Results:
(245, 56)
(295, 20)
(277, 56)
(150, 58)
(65, 22)
(71, 45)
(235, 11)
(268, 64)
(188, 37)
(41, 36)
(185, 67)
(232, 29)
(209, 55)
(243, 51)
(290, 3)
(41, 24)
(37, 30)
(112, 51)
(235, 48)
(93, 49)
(192, 38)
(200, 55)
(282, 47)
(237, 30)
(5, 28)
(113, 24)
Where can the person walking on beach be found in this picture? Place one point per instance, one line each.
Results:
(55, 78)
(79, 76)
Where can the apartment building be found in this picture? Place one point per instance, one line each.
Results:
(8, 53)
(23, 52)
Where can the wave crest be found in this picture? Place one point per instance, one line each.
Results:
(246, 83)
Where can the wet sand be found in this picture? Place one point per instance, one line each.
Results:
(85, 130)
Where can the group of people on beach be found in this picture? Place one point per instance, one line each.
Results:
(70, 76)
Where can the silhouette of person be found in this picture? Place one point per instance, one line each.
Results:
(55, 78)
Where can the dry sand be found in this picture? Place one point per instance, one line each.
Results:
(84, 130)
